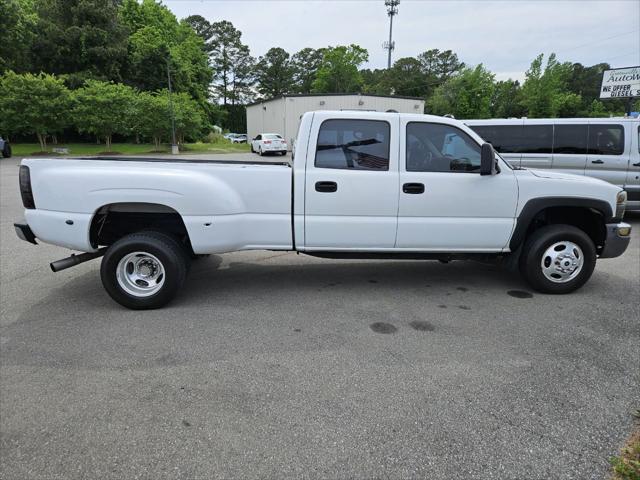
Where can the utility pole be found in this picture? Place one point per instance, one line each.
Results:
(174, 144)
(392, 10)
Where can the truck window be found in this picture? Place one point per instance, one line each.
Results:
(504, 138)
(433, 147)
(606, 140)
(570, 139)
(353, 144)
(537, 139)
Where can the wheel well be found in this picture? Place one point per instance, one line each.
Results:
(589, 220)
(115, 220)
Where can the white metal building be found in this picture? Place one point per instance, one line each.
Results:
(282, 114)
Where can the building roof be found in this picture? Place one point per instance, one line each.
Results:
(289, 95)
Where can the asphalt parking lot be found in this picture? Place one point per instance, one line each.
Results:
(277, 365)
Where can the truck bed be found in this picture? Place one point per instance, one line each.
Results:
(225, 205)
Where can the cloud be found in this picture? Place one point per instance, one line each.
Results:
(503, 35)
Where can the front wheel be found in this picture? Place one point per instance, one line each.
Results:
(144, 270)
(6, 151)
(558, 259)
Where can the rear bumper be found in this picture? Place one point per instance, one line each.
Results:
(616, 244)
(24, 233)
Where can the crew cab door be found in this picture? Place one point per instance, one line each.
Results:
(351, 182)
(445, 204)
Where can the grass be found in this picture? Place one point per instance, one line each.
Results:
(627, 465)
(24, 149)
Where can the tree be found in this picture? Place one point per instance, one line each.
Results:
(33, 104)
(506, 101)
(17, 35)
(190, 121)
(467, 95)
(305, 65)
(438, 67)
(545, 92)
(226, 51)
(242, 77)
(151, 119)
(406, 77)
(157, 42)
(104, 109)
(203, 29)
(275, 73)
(338, 71)
(411, 76)
(80, 38)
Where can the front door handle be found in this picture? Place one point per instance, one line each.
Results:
(599, 162)
(326, 187)
(413, 188)
(636, 164)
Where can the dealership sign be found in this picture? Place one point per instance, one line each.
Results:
(621, 83)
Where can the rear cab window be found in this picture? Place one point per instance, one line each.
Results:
(353, 144)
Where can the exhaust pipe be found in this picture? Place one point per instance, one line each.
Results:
(74, 260)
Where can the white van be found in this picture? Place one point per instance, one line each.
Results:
(604, 148)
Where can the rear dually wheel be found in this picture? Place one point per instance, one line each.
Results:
(144, 270)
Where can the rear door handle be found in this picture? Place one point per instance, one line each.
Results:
(636, 164)
(599, 162)
(326, 187)
(413, 188)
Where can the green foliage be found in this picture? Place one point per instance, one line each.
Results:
(305, 65)
(467, 95)
(35, 104)
(231, 62)
(338, 71)
(157, 42)
(152, 118)
(506, 101)
(104, 109)
(545, 91)
(17, 34)
(276, 73)
(416, 77)
(82, 39)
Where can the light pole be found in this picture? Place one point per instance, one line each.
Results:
(174, 144)
(392, 10)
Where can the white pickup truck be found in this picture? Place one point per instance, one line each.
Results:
(362, 185)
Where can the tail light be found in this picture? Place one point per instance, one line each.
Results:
(25, 188)
(267, 142)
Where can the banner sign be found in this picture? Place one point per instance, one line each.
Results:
(621, 83)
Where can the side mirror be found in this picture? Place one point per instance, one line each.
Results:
(487, 160)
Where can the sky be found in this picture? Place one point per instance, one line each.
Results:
(503, 35)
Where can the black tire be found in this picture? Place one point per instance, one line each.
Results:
(6, 151)
(252, 150)
(166, 249)
(534, 253)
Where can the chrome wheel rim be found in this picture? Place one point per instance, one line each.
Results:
(562, 262)
(140, 274)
